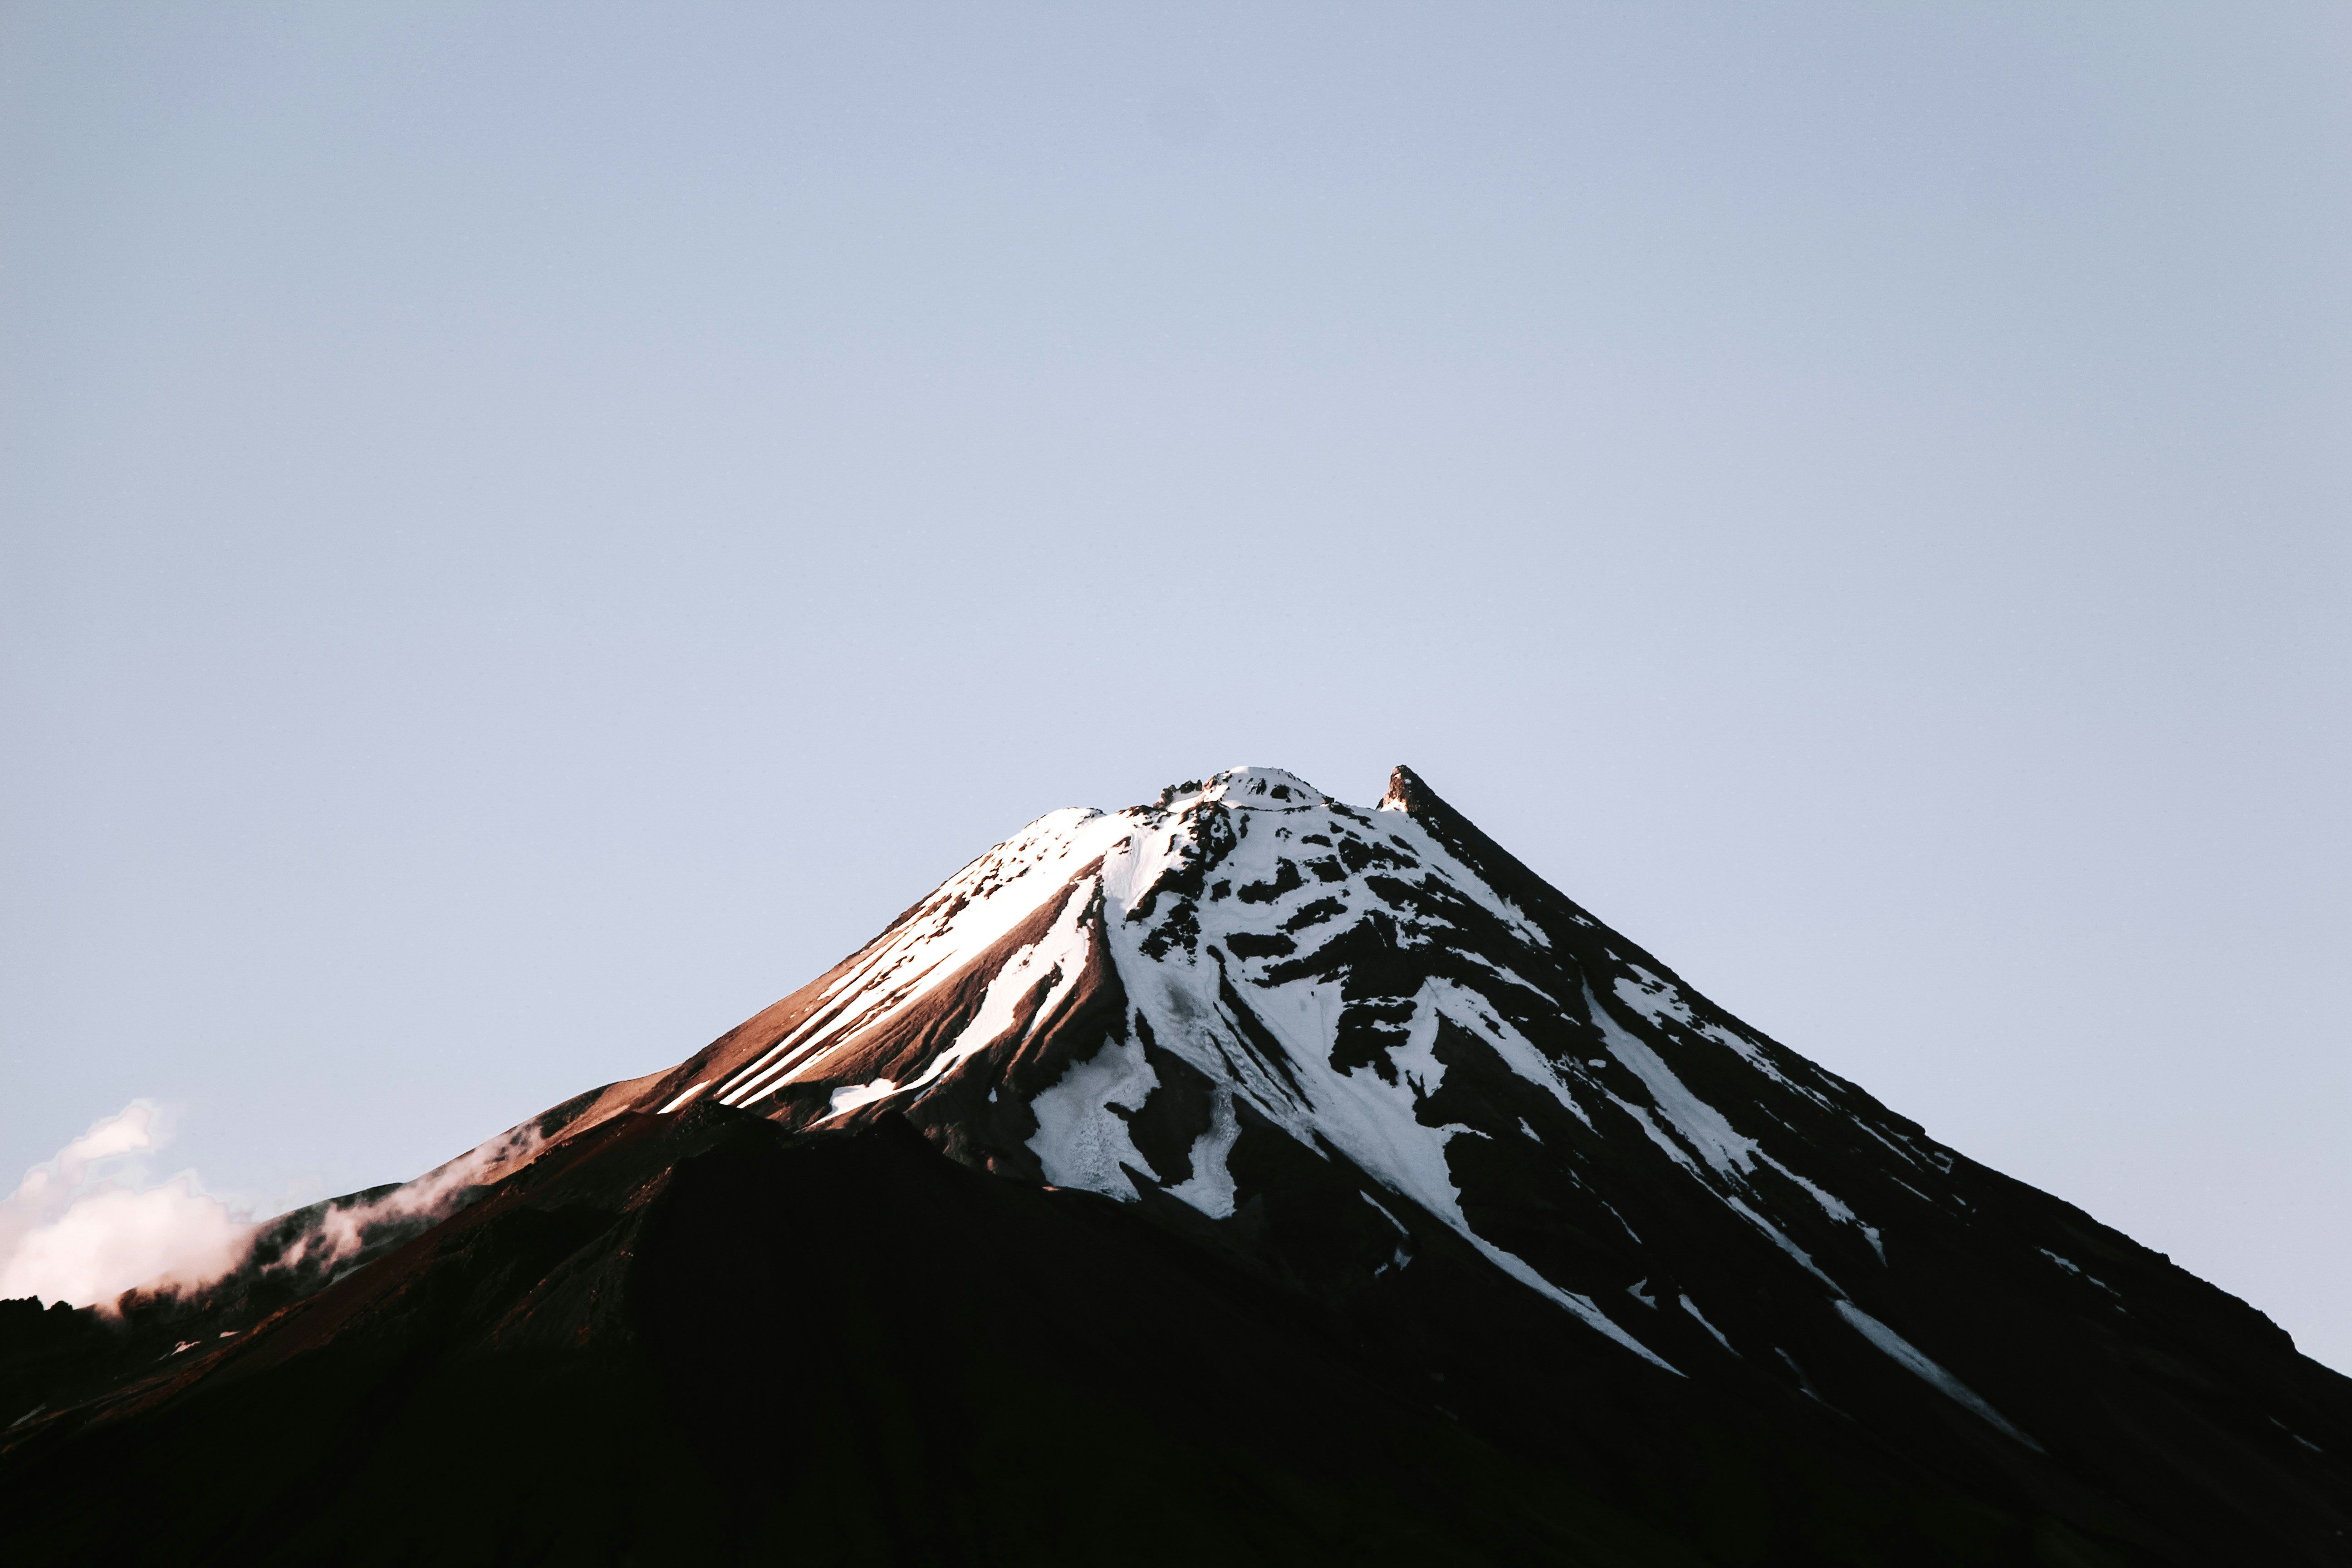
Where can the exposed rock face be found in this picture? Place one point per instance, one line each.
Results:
(1331, 1186)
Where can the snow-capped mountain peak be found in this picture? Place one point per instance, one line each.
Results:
(1333, 1137)
(1153, 1002)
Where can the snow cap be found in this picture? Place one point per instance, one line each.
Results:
(1271, 789)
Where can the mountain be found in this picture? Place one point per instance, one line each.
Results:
(1246, 1177)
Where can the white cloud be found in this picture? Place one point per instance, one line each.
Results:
(89, 1224)
(92, 1222)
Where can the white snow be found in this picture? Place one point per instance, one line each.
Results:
(1802, 1381)
(1368, 1119)
(1657, 1000)
(1210, 1187)
(1703, 1127)
(1907, 1355)
(1730, 1153)
(2076, 1270)
(1079, 1139)
(1263, 789)
(1654, 999)
(1470, 1009)
(2296, 1436)
(1692, 1307)
(1401, 1256)
(855, 1095)
(1444, 867)
(1374, 1123)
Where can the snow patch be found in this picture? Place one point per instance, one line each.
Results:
(1210, 1187)
(857, 1094)
(2076, 1271)
(1080, 1140)
(1692, 1307)
(1908, 1356)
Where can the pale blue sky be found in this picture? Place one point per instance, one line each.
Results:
(528, 531)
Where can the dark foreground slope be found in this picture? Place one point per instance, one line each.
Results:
(1246, 1177)
(692, 1341)
(698, 1340)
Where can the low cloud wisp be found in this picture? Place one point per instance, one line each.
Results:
(336, 1232)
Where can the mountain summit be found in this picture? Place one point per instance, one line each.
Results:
(1243, 1174)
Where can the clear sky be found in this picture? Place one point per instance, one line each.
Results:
(530, 532)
